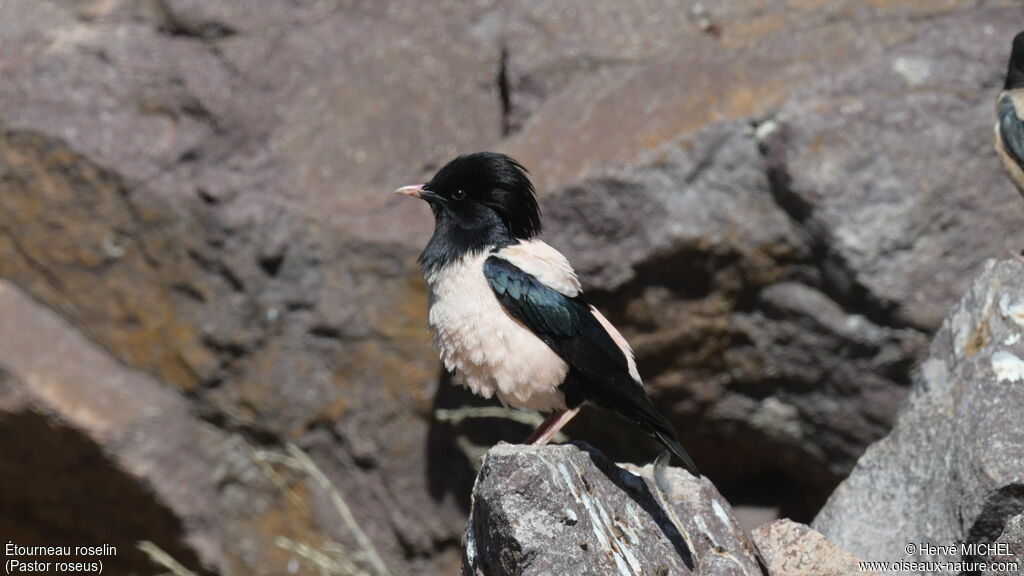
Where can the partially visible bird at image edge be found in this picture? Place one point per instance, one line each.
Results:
(507, 311)
(1009, 129)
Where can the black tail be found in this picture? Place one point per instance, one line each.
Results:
(652, 421)
(624, 395)
(672, 444)
(632, 402)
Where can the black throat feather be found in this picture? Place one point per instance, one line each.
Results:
(1014, 78)
(454, 240)
(1015, 71)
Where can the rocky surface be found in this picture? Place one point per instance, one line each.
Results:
(898, 225)
(602, 87)
(200, 191)
(792, 549)
(65, 402)
(1013, 538)
(568, 509)
(86, 438)
(950, 470)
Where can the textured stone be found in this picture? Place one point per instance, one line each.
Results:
(86, 438)
(950, 471)
(64, 402)
(859, 163)
(792, 549)
(596, 96)
(263, 317)
(1013, 538)
(568, 509)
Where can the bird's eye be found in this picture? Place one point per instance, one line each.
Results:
(458, 194)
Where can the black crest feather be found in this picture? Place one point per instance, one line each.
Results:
(497, 181)
(1015, 71)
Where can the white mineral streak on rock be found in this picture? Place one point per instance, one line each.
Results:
(1007, 367)
(599, 526)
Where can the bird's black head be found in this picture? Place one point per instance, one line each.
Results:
(479, 201)
(1015, 71)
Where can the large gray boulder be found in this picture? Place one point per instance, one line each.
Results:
(569, 510)
(951, 470)
(611, 85)
(858, 162)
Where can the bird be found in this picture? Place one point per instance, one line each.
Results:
(507, 310)
(1009, 128)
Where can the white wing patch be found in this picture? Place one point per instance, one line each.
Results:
(620, 342)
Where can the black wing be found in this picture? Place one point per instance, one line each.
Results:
(1011, 130)
(596, 363)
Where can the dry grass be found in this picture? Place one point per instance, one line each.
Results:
(331, 558)
(158, 556)
(457, 415)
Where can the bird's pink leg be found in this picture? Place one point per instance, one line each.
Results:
(542, 435)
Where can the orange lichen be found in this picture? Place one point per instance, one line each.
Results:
(61, 214)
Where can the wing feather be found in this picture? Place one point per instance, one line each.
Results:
(1011, 129)
(574, 331)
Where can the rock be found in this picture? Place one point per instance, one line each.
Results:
(63, 401)
(610, 87)
(792, 549)
(85, 437)
(901, 231)
(568, 509)
(275, 353)
(999, 558)
(146, 209)
(950, 471)
(750, 517)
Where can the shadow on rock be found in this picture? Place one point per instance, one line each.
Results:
(568, 509)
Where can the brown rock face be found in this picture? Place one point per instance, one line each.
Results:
(177, 197)
(90, 451)
(774, 202)
(96, 453)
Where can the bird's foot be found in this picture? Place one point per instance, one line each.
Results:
(543, 434)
